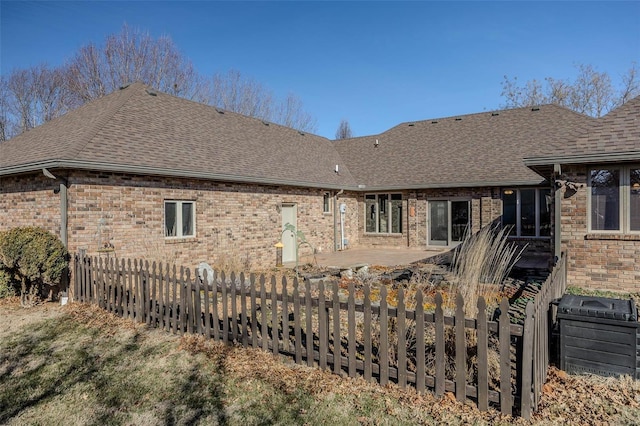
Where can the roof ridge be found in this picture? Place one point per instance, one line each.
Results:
(126, 93)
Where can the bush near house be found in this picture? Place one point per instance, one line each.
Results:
(32, 262)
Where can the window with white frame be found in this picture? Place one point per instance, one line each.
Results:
(326, 202)
(614, 199)
(383, 213)
(527, 211)
(179, 219)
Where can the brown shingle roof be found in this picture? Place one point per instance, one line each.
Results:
(470, 150)
(615, 137)
(134, 130)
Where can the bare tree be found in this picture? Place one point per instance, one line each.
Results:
(592, 92)
(133, 55)
(344, 130)
(29, 97)
(234, 92)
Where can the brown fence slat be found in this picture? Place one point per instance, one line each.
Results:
(206, 285)
(275, 339)
(483, 348)
(440, 366)
(215, 325)
(461, 351)
(337, 343)
(297, 327)
(351, 330)
(197, 303)
(234, 307)
(225, 307)
(506, 401)
(184, 283)
(384, 336)
(285, 316)
(264, 330)
(527, 362)
(254, 312)
(308, 332)
(167, 298)
(420, 345)
(402, 340)
(243, 310)
(367, 333)
(323, 331)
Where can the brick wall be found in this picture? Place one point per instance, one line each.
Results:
(596, 260)
(237, 225)
(29, 200)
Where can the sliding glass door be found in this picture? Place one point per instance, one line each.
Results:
(448, 222)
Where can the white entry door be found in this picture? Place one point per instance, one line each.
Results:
(289, 216)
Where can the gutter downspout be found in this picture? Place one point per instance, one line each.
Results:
(63, 213)
(335, 220)
(64, 183)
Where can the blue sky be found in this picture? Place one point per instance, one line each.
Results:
(375, 64)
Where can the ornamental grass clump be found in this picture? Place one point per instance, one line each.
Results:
(480, 265)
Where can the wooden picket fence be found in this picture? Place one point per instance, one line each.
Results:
(357, 332)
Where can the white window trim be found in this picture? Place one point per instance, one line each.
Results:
(179, 204)
(518, 226)
(625, 203)
(377, 221)
(330, 197)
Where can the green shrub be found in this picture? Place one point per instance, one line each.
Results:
(8, 285)
(34, 258)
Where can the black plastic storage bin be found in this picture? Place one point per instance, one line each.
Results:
(598, 335)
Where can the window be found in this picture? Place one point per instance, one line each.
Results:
(326, 203)
(383, 213)
(527, 211)
(179, 219)
(614, 199)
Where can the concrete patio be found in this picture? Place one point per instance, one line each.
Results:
(368, 256)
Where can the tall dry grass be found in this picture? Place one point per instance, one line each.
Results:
(481, 264)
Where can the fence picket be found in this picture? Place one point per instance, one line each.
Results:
(234, 307)
(166, 306)
(285, 316)
(527, 362)
(351, 330)
(297, 327)
(384, 336)
(254, 312)
(275, 335)
(323, 330)
(506, 400)
(120, 287)
(483, 349)
(197, 303)
(264, 329)
(225, 307)
(461, 351)
(100, 283)
(183, 300)
(243, 310)
(367, 333)
(205, 288)
(402, 340)
(308, 332)
(440, 385)
(420, 346)
(215, 325)
(337, 342)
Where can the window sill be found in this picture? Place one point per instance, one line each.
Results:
(528, 238)
(180, 240)
(613, 237)
(381, 234)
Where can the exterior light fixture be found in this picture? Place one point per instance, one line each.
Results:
(508, 192)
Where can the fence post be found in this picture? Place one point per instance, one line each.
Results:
(461, 351)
